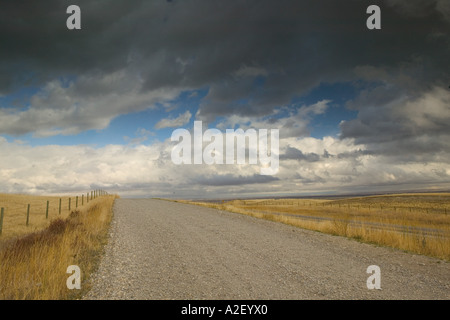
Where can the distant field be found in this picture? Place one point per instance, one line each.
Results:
(16, 207)
(418, 223)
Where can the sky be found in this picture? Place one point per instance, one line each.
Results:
(358, 110)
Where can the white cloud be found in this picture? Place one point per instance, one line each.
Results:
(250, 71)
(340, 166)
(294, 125)
(180, 121)
(89, 102)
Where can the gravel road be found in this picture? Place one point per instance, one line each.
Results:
(166, 250)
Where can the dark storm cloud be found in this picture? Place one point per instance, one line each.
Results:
(196, 43)
(37, 46)
(406, 123)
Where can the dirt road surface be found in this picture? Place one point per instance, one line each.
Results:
(165, 250)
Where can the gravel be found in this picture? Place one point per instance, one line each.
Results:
(165, 250)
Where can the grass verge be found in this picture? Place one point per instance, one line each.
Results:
(33, 267)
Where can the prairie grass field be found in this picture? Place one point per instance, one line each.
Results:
(414, 222)
(16, 208)
(34, 258)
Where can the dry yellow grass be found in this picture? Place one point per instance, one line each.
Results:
(369, 219)
(34, 266)
(15, 212)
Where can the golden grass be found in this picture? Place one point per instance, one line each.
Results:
(356, 218)
(15, 212)
(33, 267)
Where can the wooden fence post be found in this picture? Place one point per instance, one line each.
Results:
(82, 199)
(60, 205)
(76, 202)
(46, 211)
(1, 220)
(28, 214)
(87, 197)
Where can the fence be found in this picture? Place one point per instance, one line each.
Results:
(59, 206)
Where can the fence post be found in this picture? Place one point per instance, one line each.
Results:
(82, 199)
(59, 205)
(69, 203)
(76, 202)
(46, 211)
(1, 220)
(87, 197)
(28, 214)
